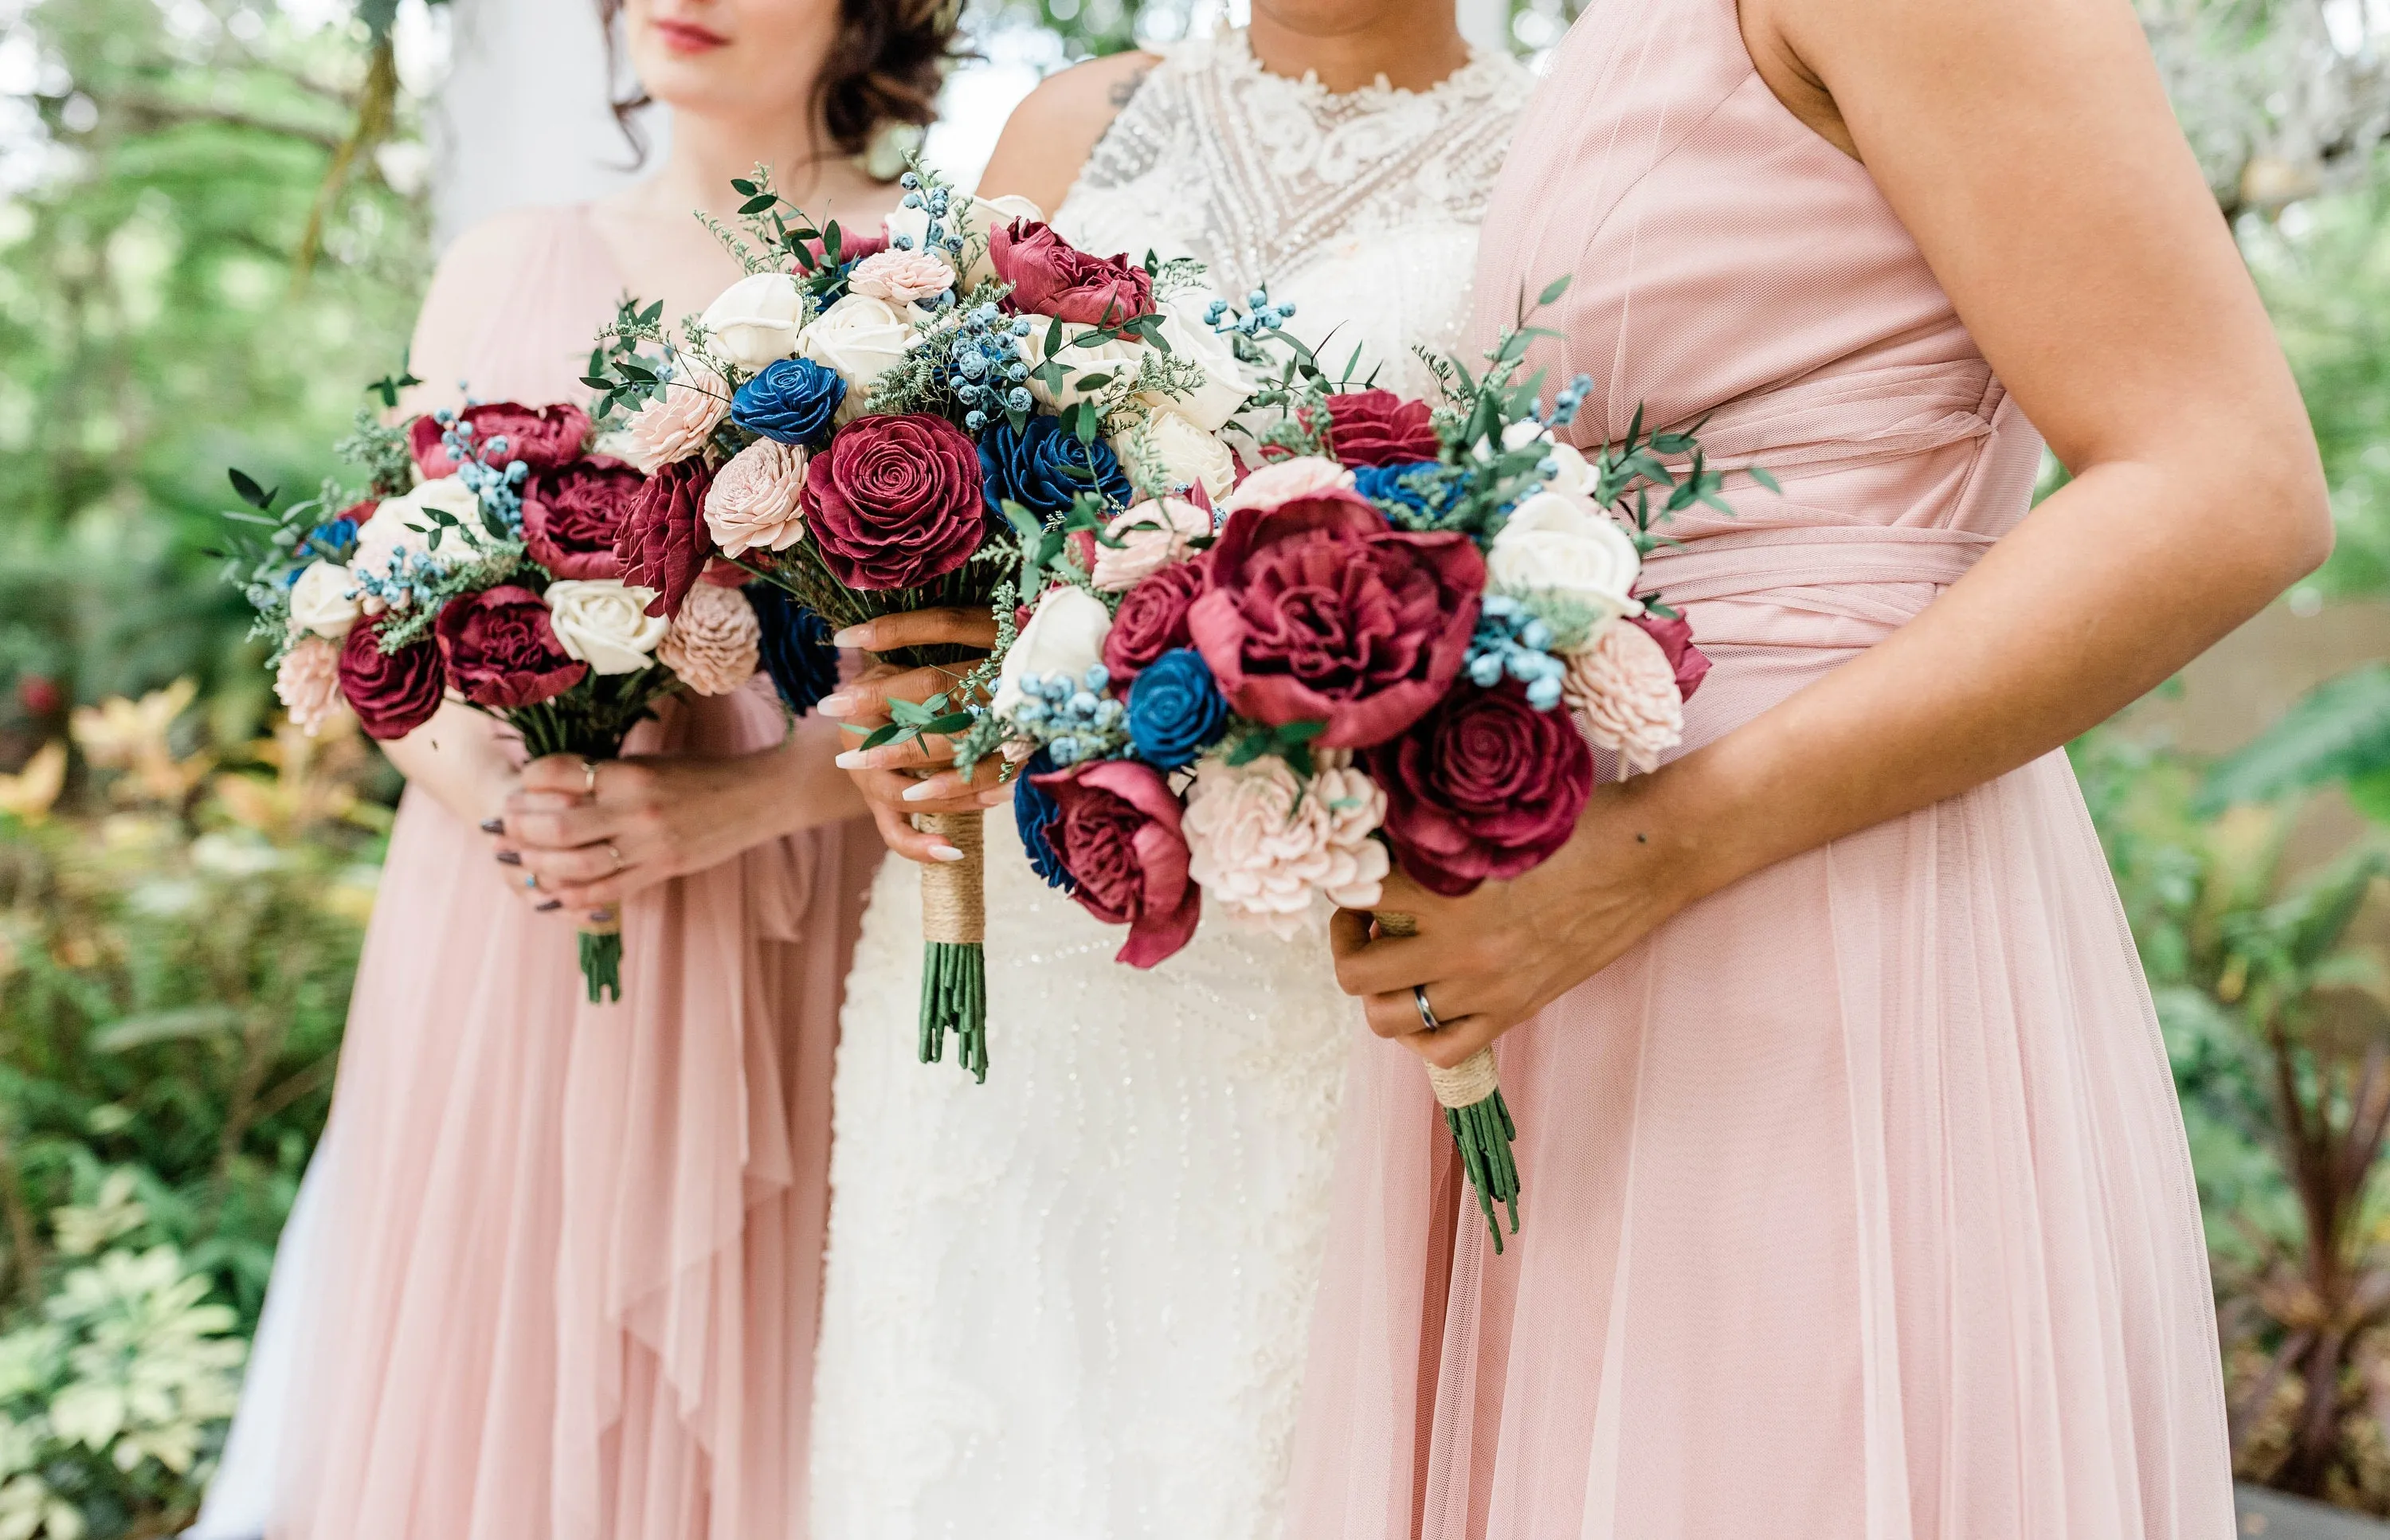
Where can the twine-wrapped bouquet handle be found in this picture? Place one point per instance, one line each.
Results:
(1474, 1112)
(954, 943)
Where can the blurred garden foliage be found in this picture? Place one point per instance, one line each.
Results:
(203, 261)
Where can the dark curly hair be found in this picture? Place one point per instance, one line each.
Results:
(884, 67)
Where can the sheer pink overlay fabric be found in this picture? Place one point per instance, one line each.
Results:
(1857, 1197)
(571, 1254)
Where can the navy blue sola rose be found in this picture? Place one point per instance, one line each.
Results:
(795, 648)
(1175, 710)
(1034, 812)
(793, 401)
(1043, 466)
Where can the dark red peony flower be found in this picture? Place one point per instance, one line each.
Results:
(1050, 277)
(1485, 785)
(392, 694)
(574, 515)
(1152, 620)
(501, 651)
(894, 501)
(1676, 639)
(1115, 830)
(1314, 610)
(541, 437)
(664, 544)
(853, 246)
(1368, 427)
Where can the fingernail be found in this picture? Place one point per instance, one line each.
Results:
(550, 907)
(854, 636)
(836, 705)
(599, 916)
(920, 791)
(531, 881)
(494, 825)
(995, 795)
(852, 759)
(945, 853)
(509, 858)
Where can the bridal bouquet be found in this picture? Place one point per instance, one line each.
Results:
(872, 424)
(1370, 651)
(480, 562)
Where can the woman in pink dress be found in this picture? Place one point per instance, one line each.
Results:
(560, 1268)
(1857, 1203)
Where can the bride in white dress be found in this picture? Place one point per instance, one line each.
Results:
(1072, 1302)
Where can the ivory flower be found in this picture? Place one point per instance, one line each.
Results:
(403, 529)
(1169, 451)
(1269, 847)
(753, 504)
(755, 321)
(325, 600)
(1628, 692)
(1153, 535)
(676, 421)
(308, 683)
(1105, 359)
(604, 623)
(860, 338)
(1226, 382)
(1064, 637)
(1553, 543)
(980, 218)
(901, 277)
(1304, 476)
(715, 642)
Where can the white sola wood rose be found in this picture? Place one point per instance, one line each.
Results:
(325, 600)
(403, 529)
(859, 339)
(755, 321)
(1168, 450)
(1267, 847)
(1557, 543)
(604, 621)
(1065, 635)
(1226, 382)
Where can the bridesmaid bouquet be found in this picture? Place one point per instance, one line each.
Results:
(874, 424)
(1370, 650)
(479, 563)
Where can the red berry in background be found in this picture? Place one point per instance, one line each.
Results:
(39, 694)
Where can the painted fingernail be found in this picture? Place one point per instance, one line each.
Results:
(854, 759)
(550, 907)
(509, 858)
(945, 853)
(854, 636)
(922, 791)
(599, 916)
(531, 880)
(494, 825)
(836, 705)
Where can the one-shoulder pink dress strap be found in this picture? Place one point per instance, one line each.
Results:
(1857, 1204)
(570, 1254)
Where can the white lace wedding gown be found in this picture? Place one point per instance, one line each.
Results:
(1072, 1303)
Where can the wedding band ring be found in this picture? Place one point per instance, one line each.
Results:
(588, 777)
(619, 862)
(1427, 1013)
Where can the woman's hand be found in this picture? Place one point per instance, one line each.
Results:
(589, 835)
(900, 779)
(1492, 960)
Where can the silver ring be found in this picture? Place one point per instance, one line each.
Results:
(588, 777)
(619, 862)
(1427, 1013)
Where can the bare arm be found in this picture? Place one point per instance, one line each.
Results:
(2029, 148)
(1050, 134)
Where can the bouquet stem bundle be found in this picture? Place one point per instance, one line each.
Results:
(953, 951)
(1474, 1112)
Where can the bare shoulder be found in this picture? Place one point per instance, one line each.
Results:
(1050, 134)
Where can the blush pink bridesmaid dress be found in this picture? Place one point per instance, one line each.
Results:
(567, 1272)
(1857, 1197)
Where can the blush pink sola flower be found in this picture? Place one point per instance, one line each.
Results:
(901, 277)
(753, 504)
(1304, 476)
(1627, 688)
(676, 420)
(308, 683)
(1153, 535)
(1269, 847)
(714, 644)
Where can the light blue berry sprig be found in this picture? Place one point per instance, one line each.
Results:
(1073, 718)
(1511, 641)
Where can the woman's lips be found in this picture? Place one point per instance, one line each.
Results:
(687, 37)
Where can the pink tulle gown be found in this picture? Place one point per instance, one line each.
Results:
(1857, 1197)
(565, 1282)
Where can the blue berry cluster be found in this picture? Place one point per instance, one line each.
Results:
(496, 481)
(1571, 396)
(936, 200)
(989, 375)
(1260, 316)
(1073, 718)
(413, 580)
(1510, 640)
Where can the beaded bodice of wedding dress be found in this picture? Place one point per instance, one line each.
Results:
(1072, 1303)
